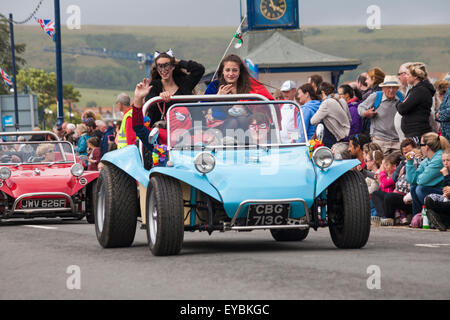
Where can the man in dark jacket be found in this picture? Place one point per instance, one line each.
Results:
(416, 107)
(109, 132)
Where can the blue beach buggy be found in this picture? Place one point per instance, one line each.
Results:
(231, 166)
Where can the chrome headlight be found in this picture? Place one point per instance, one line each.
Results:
(204, 162)
(5, 173)
(323, 157)
(77, 169)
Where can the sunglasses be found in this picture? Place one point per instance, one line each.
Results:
(164, 66)
(259, 126)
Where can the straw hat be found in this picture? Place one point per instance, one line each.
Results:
(390, 81)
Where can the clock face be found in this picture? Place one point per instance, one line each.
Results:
(273, 9)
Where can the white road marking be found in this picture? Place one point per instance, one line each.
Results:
(432, 245)
(41, 227)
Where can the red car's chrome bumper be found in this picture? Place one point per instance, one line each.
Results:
(14, 208)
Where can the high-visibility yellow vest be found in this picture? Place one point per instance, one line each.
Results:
(122, 141)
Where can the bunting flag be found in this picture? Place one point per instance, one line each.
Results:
(48, 26)
(238, 35)
(6, 77)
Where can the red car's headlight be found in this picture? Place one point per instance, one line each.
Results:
(5, 173)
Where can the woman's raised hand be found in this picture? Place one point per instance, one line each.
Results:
(142, 90)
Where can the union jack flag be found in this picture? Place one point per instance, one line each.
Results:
(6, 78)
(48, 26)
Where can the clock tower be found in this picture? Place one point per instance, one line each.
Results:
(270, 14)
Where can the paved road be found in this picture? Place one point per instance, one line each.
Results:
(35, 260)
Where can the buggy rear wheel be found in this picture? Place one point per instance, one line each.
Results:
(164, 216)
(116, 208)
(349, 211)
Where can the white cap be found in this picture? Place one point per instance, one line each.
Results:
(288, 85)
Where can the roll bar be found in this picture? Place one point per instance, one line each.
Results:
(209, 98)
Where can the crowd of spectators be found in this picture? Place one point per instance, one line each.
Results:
(398, 127)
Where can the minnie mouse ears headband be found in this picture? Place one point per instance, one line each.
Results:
(168, 52)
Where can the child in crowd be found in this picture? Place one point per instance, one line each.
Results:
(94, 154)
(387, 187)
(438, 206)
(373, 157)
(374, 160)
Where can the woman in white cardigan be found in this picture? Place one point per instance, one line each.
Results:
(334, 114)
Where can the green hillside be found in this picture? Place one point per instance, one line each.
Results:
(387, 48)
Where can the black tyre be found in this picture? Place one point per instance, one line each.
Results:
(164, 216)
(349, 211)
(289, 234)
(91, 192)
(116, 208)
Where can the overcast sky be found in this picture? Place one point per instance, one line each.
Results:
(227, 12)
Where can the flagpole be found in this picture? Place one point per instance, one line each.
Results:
(13, 62)
(59, 85)
(231, 42)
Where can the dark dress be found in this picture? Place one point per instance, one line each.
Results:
(185, 82)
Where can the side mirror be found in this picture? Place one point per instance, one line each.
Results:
(153, 136)
(83, 157)
(319, 131)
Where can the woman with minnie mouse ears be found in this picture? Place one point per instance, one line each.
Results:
(169, 77)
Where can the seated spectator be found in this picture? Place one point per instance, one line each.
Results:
(438, 206)
(340, 151)
(310, 102)
(427, 178)
(369, 148)
(46, 152)
(258, 128)
(333, 113)
(372, 151)
(348, 94)
(355, 147)
(373, 161)
(380, 108)
(387, 187)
